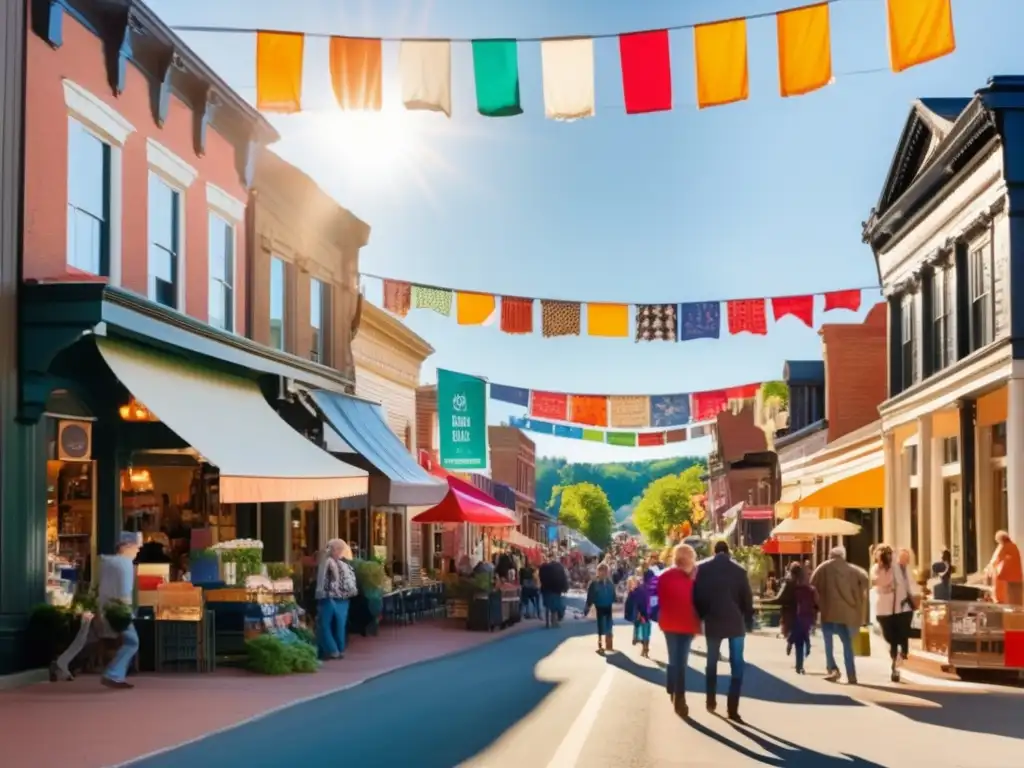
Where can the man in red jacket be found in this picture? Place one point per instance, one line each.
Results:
(678, 620)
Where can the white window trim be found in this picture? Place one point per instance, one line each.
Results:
(232, 210)
(169, 165)
(180, 255)
(234, 224)
(111, 127)
(230, 207)
(284, 298)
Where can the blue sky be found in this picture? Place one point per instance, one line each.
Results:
(760, 198)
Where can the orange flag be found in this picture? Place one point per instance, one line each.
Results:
(279, 71)
(356, 73)
(474, 308)
(805, 49)
(919, 31)
(721, 54)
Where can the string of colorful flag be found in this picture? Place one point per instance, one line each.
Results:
(628, 439)
(919, 31)
(684, 321)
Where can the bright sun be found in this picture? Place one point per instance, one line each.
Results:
(386, 144)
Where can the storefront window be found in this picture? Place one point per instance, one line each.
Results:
(1002, 500)
(69, 518)
(999, 440)
(951, 450)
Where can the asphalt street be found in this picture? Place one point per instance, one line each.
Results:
(546, 698)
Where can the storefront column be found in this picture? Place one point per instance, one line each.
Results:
(903, 526)
(968, 467)
(985, 512)
(937, 513)
(891, 471)
(924, 553)
(1015, 458)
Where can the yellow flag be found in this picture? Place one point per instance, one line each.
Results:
(805, 49)
(474, 308)
(608, 320)
(279, 71)
(721, 54)
(919, 31)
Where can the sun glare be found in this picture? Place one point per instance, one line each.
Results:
(385, 144)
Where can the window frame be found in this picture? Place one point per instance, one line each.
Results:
(979, 257)
(275, 260)
(179, 176)
(76, 127)
(111, 128)
(321, 331)
(941, 321)
(232, 314)
(908, 341)
(231, 211)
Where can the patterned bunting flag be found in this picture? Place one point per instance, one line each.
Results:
(747, 316)
(564, 430)
(670, 410)
(805, 49)
(610, 320)
(699, 431)
(705, 406)
(656, 322)
(435, 299)
(648, 439)
(549, 405)
(425, 71)
(496, 73)
(700, 320)
(676, 436)
(629, 411)
(646, 71)
(568, 75)
(474, 308)
(919, 31)
(800, 307)
(625, 439)
(397, 297)
(519, 422)
(356, 72)
(843, 300)
(721, 53)
(513, 395)
(516, 315)
(591, 410)
(279, 57)
(560, 318)
(593, 435)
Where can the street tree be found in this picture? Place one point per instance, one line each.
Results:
(668, 503)
(588, 504)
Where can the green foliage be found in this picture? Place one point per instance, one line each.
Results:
(370, 575)
(623, 483)
(305, 634)
(277, 571)
(269, 655)
(755, 561)
(196, 555)
(777, 390)
(50, 630)
(86, 599)
(248, 562)
(588, 505)
(666, 504)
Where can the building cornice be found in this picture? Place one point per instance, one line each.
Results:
(376, 319)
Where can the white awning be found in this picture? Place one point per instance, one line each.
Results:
(814, 526)
(229, 422)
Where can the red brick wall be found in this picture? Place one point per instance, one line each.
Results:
(737, 435)
(513, 461)
(855, 372)
(81, 59)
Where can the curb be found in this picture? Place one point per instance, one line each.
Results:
(317, 696)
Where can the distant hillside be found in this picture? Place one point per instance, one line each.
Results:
(623, 482)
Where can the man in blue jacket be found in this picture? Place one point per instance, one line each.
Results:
(725, 603)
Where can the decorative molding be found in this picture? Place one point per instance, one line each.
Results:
(221, 201)
(97, 114)
(170, 165)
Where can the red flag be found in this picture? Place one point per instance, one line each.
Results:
(745, 392)
(549, 405)
(646, 71)
(800, 307)
(747, 315)
(705, 406)
(843, 300)
(650, 438)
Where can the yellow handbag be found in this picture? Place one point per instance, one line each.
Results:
(862, 642)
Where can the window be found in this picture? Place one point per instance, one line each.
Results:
(88, 201)
(222, 274)
(950, 450)
(912, 460)
(980, 281)
(319, 301)
(942, 312)
(907, 342)
(164, 218)
(277, 300)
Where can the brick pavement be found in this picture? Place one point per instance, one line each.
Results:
(83, 724)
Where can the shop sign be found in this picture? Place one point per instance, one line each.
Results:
(462, 419)
(74, 440)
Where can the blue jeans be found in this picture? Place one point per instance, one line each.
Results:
(828, 631)
(331, 619)
(604, 621)
(678, 659)
(736, 664)
(642, 631)
(118, 669)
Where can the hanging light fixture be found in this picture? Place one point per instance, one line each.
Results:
(133, 410)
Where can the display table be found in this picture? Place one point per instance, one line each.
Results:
(241, 614)
(974, 635)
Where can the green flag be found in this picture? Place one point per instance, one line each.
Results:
(593, 435)
(622, 438)
(462, 420)
(496, 71)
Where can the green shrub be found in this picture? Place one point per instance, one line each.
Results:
(50, 630)
(370, 575)
(269, 655)
(118, 616)
(277, 571)
(305, 634)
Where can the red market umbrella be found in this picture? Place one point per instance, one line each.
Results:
(466, 504)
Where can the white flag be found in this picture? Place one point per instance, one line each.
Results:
(568, 74)
(425, 70)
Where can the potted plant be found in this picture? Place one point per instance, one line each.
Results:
(369, 604)
(118, 616)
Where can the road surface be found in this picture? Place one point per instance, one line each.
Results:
(546, 698)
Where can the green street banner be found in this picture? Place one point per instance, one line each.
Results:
(462, 420)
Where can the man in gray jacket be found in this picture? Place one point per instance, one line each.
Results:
(842, 599)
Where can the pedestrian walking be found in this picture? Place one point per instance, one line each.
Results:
(895, 602)
(798, 602)
(530, 597)
(1004, 570)
(554, 582)
(117, 586)
(679, 621)
(601, 595)
(725, 603)
(638, 611)
(841, 588)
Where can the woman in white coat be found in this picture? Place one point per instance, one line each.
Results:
(895, 595)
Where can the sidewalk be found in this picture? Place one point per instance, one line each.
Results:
(88, 726)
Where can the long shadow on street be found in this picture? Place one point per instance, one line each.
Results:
(1000, 716)
(432, 715)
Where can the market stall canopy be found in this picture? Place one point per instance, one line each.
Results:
(815, 526)
(229, 423)
(466, 504)
(521, 540)
(582, 544)
(367, 441)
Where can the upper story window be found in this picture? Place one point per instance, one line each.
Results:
(89, 182)
(164, 244)
(912, 461)
(979, 262)
(908, 341)
(942, 313)
(950, 450)
(319, 301)
(222, 273)
(278, 289)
